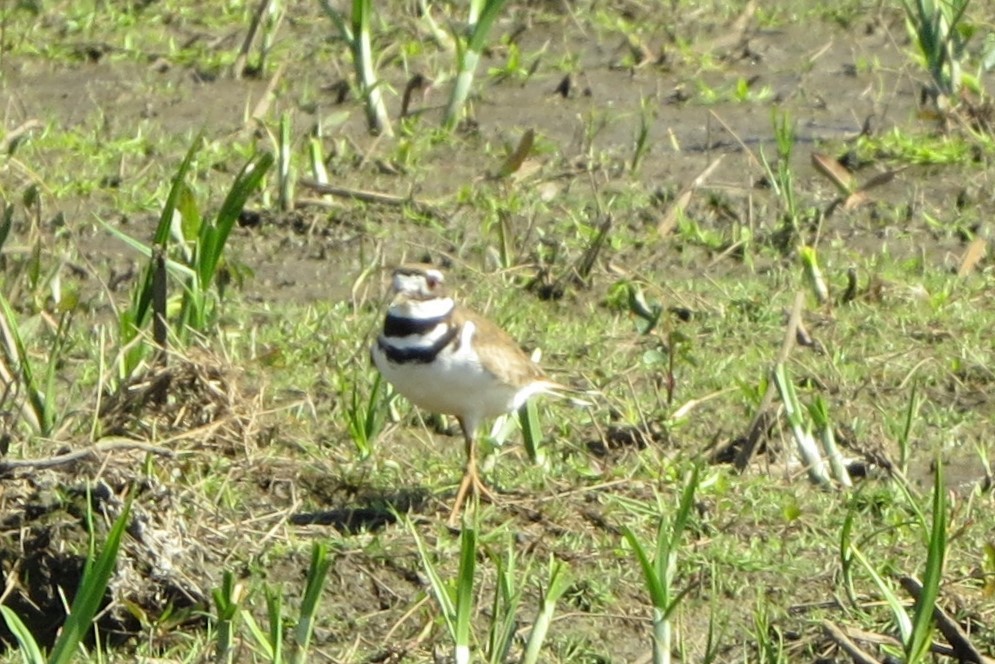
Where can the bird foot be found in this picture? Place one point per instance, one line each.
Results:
(471, 483)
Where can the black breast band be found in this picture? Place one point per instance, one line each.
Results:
(403, 326)
(415, 354)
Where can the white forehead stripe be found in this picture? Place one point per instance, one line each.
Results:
(417, 282)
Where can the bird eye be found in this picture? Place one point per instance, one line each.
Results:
(433, 279)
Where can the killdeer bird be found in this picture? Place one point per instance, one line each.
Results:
(446, 359)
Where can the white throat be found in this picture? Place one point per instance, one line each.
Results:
(422, 309)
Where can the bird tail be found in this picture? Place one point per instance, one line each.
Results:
(576, 397)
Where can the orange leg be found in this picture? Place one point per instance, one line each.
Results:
(471, 482)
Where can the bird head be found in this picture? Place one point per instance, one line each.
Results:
(419, 281)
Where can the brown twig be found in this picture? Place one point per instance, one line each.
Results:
(160, 326)
(374, 197)
(756, 426)
(13, 580)
(14, 134)
(684, 198)
(94, 450)
(952, 632)
(893, 642)
(749, 153)
(848, 646)
(238, 68)
(262, 106)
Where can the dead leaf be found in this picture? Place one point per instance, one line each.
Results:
(835, 171)
(975, 252)
(881, 179)
(516, 158)
(856, 199)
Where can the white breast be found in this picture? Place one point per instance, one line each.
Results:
(456, 383)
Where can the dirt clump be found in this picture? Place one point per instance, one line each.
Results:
(56, 509)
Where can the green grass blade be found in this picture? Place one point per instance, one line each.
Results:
(284, 164)
(911, 411)
(439, 589)
(684, 509)
(528, 417)
(17, 355)
(96, 574)
(357, 34)
(226, 605)
(480, 30)
(658, 595)
(467, 57)
(846, 555)
(274, 612)
(216, 235)
(176, 193)
(6, 222)
(191, 220)
(54, 352)
(922, 622)
(818, 410)
(658, 573)
(464, 593)
(668, 544)
(456, 607)
(912, 501)
(261, 638)
(365, 417)
(28, 647)
(374, 413)
(143, 295)
(317, 160)
(360, 18)
(801, 431)
(178, 269)
(345, 32)
(558, 582)
(813, 273)
(316, 575)
(894, 603)
(507, 597)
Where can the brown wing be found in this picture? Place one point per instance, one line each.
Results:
(498, 351)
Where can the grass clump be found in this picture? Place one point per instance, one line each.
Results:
(940, 29)
(199, 248)
(357, 34)
(660, 570)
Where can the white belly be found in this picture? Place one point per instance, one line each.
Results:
(455, 383)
